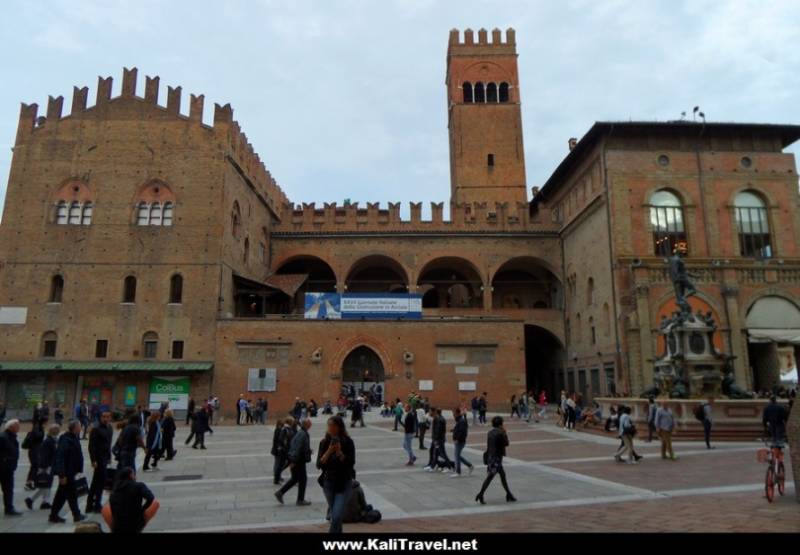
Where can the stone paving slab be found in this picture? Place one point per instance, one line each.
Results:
(563, 480)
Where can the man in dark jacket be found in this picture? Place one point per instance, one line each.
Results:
(9, 457)
(201, 426)
(100, 456)
(189, 411)
(358, 413)
(82, 414)
(68, 464)
(129, 440)
(299, 455)
(438, 438)
(460, 441)
(409, 429)
(131, 505)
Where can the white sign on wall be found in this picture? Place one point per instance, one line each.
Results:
(467, 386)
(426, 385)
(262, 379)
(13, 315)
(467, 369)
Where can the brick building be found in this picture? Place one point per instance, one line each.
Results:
(139, 244)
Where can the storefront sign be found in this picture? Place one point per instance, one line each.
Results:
(130, 395)
(363, 306)
(175, 391)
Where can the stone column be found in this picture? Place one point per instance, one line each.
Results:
(487, 298)
(743, 380)
(642, 375)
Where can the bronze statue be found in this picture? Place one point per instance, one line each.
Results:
(679, 275)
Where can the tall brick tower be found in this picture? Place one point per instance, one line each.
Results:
(487, 162)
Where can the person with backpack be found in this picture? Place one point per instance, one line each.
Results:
(299, 455)
(409, 427)
(460, 431)
(626, 432)
(32, 442)
(496, 443)
(651, 418)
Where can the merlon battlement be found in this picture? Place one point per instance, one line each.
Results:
(456, 45)
(466, 217)
(242, 153)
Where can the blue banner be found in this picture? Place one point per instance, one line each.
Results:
(363, 306)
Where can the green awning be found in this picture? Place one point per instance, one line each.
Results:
(104, 366)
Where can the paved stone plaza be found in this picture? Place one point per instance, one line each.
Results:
(564, 482)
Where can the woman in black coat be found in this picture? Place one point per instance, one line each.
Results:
(336, 458)
(496, 443)
(32, 442)
(47, 457)
(168, 433)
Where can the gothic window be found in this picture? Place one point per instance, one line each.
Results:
(56, 289)
(666, 219)
(167, 215)
(86, 213)
(176, 289)
(75, 213)
(129, 290)
(752, 225)
(61, 213)
(503, 92)
(155, 214)
(491, 92)
(236, 220)
(467, 88)
(155, 205)
(480, 95)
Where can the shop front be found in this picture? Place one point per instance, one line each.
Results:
(117, 386)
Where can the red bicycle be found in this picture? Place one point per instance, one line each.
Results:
(776, 473)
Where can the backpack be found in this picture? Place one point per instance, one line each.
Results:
(699, 413)
(372, 516)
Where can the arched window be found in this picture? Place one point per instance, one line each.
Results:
(590, 291)
(129, 290)
(49, 344)
(467, 88)
(150, 345)
(752, 225)
(56, 289)
(61, 213)
(167, 219)
(143, 217)
(666, 219)
(246, 249)
(86, 214)
(480, 96)
(236, 220)
(155, 213)
(155, 205)
(491, 92)
(503, 92)
(176, 289)
(75, 213)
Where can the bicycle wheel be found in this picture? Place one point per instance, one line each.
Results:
(769, 485)
(781, 478)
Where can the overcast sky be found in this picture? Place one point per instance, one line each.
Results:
(346, 99)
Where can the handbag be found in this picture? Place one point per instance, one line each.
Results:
(81, 486)
(108, 479)
(44, 479)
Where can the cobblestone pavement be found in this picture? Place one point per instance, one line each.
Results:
(564, 481)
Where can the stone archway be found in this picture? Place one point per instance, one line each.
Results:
(363, 371)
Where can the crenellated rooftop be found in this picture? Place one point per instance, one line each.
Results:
(351, 218)
(469, 46)
(241, 152)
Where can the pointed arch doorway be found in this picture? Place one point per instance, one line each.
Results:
(363, 371)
